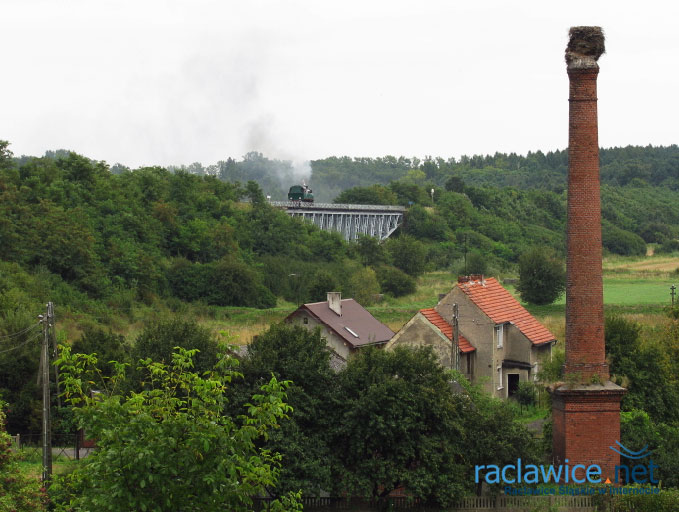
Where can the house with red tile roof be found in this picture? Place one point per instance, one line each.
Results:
(499, 343)
(345, 324)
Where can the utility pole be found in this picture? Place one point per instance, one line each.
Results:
(455, 356)
(47, 325)
(673, 290)
(465, 255)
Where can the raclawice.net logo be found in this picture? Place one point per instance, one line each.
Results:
(635, 470)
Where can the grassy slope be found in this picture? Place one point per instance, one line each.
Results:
(635, 287)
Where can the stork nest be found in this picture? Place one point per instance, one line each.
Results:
(585, 42)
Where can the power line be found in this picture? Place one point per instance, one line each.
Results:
(35, 337)
(19, 333)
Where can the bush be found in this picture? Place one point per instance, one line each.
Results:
(476, 264)
(666, 501)
(18, 492)
(619, 241)
(408, 254)
(542, 277)
(395, 282)
(321, 283)
(668, 246)
(227, 282)
(171, 446)
(362, 285)
(525, 394)
(159, 340)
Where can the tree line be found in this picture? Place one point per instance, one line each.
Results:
(203, 428)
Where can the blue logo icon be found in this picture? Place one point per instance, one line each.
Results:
(638, 473)
(626, 452)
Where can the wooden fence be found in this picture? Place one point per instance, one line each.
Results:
(470, 504)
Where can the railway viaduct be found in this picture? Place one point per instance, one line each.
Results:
(351, 220)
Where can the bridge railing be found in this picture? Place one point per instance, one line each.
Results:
(334, 206)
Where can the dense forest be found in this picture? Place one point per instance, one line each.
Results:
(93, 234)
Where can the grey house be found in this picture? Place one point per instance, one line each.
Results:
(501, 343)
(345, 324)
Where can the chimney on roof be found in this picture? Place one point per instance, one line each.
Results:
(335, 302)
(473, 278)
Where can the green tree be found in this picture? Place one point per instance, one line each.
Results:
(371, 251)
(363, 286)
(399, 425)
(321, 283)
(422, 225)
(293, 353)
(5, 155)
(476, 263)
(159, 339)
(18, 491)
(504, 439)
(644, 367)
(542, 276)
(620, 241)
(171, 446)
(407, 254)
(106, 345)
(395, 282)
(375, 194)
(455, 184)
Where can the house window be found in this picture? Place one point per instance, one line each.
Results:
(499, 334)
(306, 320)
(500, 383)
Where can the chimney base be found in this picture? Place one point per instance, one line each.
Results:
(586, 423)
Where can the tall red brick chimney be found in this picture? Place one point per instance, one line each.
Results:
(585, 410)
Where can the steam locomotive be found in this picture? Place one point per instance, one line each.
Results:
(300, 193)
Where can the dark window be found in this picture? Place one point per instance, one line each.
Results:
(512, 383)
(306, 320)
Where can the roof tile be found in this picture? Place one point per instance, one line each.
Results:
(501, 307)
(447, 329)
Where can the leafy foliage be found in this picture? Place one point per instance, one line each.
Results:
(542, 276)
(293, 353)
(407, 254)
(18, 492)
(399, 426)
(644, 367)
(159, 340)
(170, 446)
(394, 281)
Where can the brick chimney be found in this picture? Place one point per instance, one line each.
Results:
(335, 302)
(585, 410)
(585, 349)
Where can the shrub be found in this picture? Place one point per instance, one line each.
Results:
(171, 446)
(542, 276)
(321, 283)
(668, 246)
(408, 254)
(525, 394)
(622, 242)
(18, 492)
(227, 282)
(395, 282)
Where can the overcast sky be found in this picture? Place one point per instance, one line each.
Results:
(149, 82)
